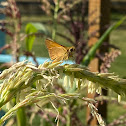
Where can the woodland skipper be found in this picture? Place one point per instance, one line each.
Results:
(58, 52)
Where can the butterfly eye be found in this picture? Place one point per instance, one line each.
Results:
(71, 50)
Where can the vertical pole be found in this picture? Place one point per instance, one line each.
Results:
(99, 13)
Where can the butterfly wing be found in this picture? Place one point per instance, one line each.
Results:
(50, 43)
(56, 51)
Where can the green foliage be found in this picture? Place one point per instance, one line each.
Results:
(29, 40)
(21, 118)
(90, 55)
(32, 29)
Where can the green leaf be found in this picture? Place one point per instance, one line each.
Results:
(21, 117)
(41, 29)
(31, 29)
(90, 55)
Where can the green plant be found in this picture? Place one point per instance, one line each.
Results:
(91, 53)
(30, 84)
(32, 30)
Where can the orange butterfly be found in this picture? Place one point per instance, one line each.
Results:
(58, 52)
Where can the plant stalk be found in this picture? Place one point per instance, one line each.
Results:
(55, 19)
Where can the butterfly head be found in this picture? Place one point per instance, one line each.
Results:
(71, 51)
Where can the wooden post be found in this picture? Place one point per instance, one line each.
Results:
(99, 13)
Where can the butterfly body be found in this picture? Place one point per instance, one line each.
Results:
(58, 52)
